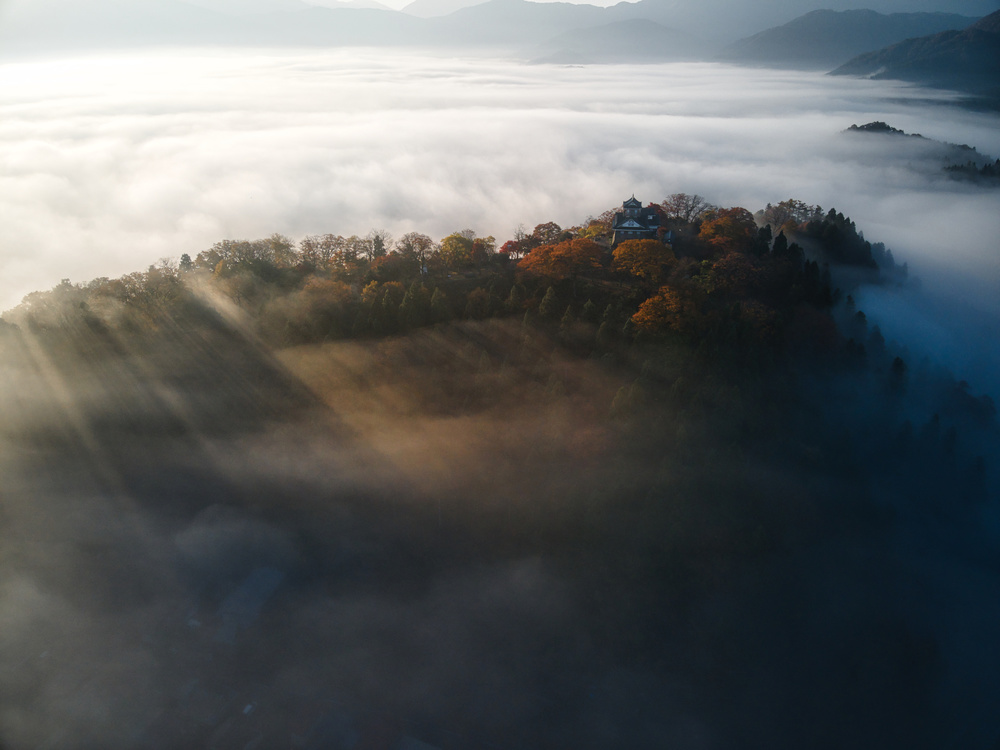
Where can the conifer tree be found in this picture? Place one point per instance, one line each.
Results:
(547, 307)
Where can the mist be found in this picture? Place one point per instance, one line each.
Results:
(111, 163)
(452, 537)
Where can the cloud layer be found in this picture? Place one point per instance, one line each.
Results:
(109, 164)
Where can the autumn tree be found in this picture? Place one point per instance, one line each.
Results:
(645, 259)
(228, 256)
(456, 251)
(512, 249)
(729, 229)
(789, 213)
(483, 248)
(565, 260)
(318, 249)
(668, 310)
(547, 233)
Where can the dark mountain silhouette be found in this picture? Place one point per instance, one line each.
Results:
(967, 60)
(825, 38)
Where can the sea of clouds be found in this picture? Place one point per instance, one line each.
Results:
(110, 163)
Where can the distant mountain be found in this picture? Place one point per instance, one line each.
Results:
(967, 60)
(31, 26)
(827, 38)
(249, 7)
(67, 24)
(620, 42)
(435, 8)
(516, 22)
(626, 32)
(338, 4)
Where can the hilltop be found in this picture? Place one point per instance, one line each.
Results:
(422, 493)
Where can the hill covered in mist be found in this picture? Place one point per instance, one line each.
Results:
(545, 492)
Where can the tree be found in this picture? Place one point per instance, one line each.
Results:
(456, 251)
(547, 233)
(645, 259)
(791, 213)
(565, 260)
(415, 307)
(440, 307)
(512, 249)
(684, 207)
(478, 304)
(729, 229)
(667, 310)
(417, 246)
(483, 248)
(547, 307)
(377, 243)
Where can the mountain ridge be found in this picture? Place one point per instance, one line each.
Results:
(967, 61)
(826, 38)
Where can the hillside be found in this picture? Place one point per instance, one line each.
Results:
(825, 38)
(355, 493)
(966, 61)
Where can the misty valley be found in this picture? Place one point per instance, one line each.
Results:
(462, 375)
(575, 489)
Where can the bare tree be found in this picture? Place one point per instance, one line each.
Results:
(416, 245)
(687, 208)
(378, 241)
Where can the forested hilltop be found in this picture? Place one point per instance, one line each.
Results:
(554, 491)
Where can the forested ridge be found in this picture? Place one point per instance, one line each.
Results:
(544, 492)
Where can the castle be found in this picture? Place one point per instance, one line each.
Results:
(634, 222)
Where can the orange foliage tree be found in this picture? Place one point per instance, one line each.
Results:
(565, 260)
(645, 259)
(729, 228)
(735, 274)
(669, 309)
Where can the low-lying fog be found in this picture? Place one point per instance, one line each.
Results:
(111, 163)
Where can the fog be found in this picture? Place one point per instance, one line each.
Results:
(445, 537)
(110, 163)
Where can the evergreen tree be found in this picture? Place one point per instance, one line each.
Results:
(440, 307)
(547, 307)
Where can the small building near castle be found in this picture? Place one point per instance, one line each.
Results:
(634, 222)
